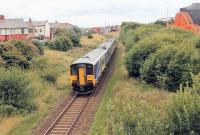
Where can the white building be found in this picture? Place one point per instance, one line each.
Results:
(12, 29)
(39, 29)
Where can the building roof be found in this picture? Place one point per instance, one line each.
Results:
(30, 25)
(194, 12)
(96, 54)
(13, 23)
(194, 6)
(60, 25)
(39, 23)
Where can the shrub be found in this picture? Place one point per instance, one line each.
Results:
(25, 50)
(66, 39)
(13, 60)
(61, 44)
(17, 53)
(163, 57)
(171, 66)
(184, 113)
(39, 46)
(15, 91)
(137, 55)
(90, 36)
(74, 35)
(160, 22)
(133, 33)
(132, 117)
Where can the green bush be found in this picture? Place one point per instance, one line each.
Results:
(171, 66)
(25, 50)
(15, 91)
(66, 39)
(17, 53)
(132, 117)
(179, 116)
(137, 55)
(39, 46)
(61, 44)
(90, 36)
(184, 113)
(163, 57)
(13, 60)
(74, 35)
(132, 33)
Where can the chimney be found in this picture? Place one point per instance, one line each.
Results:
(2, 17)
(30, 20)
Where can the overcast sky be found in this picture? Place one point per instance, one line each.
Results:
(87, 13)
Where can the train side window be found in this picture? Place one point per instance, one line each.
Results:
(74, 70)
(89, 70)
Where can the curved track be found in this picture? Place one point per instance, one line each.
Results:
(65, 122)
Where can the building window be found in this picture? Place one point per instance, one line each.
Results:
(22, 30)
(35, 30)
(30, 31)
(12, 31)
(40, 30)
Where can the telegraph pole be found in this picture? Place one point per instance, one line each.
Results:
(167, 18)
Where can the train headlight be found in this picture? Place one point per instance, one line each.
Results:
(74, 82)
(90, 81)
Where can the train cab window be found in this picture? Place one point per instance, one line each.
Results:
(74, 70)
(89, 70)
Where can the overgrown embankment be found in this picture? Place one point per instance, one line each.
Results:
(152, 56)
(33, 79)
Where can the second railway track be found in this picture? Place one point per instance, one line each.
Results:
(65, 122)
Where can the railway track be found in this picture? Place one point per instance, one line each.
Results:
(65, 122)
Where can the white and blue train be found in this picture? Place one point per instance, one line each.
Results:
(85, 73)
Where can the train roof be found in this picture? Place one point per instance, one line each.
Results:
(94, 56)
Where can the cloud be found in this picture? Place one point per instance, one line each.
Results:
(92, 12)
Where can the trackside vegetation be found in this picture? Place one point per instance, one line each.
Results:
(163, 57)
(157, 92)
(169, 59)
(18, 53)
(65, 39)
(16, 93)
(33, 79)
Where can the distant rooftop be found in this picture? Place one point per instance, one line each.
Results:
(194, 11)
(39, 23)
(194, 6)
(60, 25)
(13, 23)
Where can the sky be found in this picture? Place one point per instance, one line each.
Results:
(91, 13)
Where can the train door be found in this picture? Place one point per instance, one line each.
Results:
(81, 75)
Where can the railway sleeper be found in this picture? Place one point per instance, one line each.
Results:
(58, 132)
(61, 129)
(63, 126)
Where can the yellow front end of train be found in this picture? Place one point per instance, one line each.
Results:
(82, 78)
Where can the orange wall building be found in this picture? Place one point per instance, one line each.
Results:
(188, 18)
